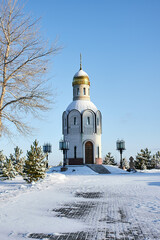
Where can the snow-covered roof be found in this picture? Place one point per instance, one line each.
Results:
(81, 105)
(81, 73)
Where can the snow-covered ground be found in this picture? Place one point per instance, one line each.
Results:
(126, 203)
(83, 170)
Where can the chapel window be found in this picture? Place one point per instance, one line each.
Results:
(98, 151)
(84, 91)
(88, 121)
(75, 152)
(75, 121)
(77, 91)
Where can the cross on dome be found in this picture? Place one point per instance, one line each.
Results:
(80, 61)
(81, 77)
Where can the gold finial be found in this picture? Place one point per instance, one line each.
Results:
(80, 61)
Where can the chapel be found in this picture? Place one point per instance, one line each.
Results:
(82, 124)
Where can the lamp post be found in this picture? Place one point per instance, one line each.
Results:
(120, 147)
(47, 148)
(64, 146)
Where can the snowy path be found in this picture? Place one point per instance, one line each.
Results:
(81, 207)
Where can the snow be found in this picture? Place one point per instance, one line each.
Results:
(81, 73)
(84, 170)
(115, 169)
(28, 208)
(149, 171)
(75, 170)
(81, 105)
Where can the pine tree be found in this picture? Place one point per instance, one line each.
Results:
(2, 163)
(158, 159)
(155, 162)
(9, 171)
(143, 159)
(35, 165)
(109, 160)
(18, 161)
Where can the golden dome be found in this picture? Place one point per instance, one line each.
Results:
(81, 77)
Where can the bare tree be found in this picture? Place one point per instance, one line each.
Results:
(24, 57)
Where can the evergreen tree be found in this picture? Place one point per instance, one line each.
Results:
(35, 165)
(109, 160)
(2, 163)
(155, 162)
(18, 161)
(9, 171)
(143, 159)
(158, 159)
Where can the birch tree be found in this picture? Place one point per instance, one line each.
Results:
(24, 59)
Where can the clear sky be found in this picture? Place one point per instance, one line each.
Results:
(120, 45)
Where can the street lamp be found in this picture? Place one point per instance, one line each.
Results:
(47, 148)
(64, 146)
(120, 147)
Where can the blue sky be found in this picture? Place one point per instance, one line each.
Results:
(120, 46)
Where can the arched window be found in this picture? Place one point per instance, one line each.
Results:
(84, 91)
(77, 91)
(88, 121)
(75, 152)
(75, 121)
(98, 151)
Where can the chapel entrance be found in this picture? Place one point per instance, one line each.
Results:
(89, 153)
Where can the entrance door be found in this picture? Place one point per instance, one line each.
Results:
(89, 153)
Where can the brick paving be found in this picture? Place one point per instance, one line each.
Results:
(106, 217)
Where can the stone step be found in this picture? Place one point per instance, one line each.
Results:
(98, 168)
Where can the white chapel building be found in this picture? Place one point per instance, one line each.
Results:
(82, 124)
